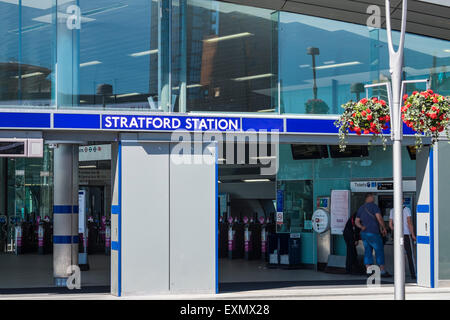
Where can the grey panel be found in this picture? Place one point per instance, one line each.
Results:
(145, 218)
(443, 209)
(192, 224)
(423, 219)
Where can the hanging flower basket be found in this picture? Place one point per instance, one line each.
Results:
(367, 116)
(316, 106)
(427, 113)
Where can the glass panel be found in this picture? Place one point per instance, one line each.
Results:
(228, 58)
(29, 196)
(297, 205)
(110, 58)
(427, 58)
(325, 63)
(26, 58)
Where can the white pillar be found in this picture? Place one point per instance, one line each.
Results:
(65, 211)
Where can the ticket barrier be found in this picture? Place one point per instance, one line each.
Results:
(45, 232)
(235, 239)
(223, 238)
(3, 233)
(92, 235)
(252, 239)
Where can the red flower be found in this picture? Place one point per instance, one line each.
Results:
(381, 118)
(383, 103)
(433, 115)
(385, 127)
(388, 118)
(430, 91)
(374, 99)
(366, 131)
(435, 100)
(369, 117)
(441, 128)
(405, 97)
(363, 113)
(354, 115)
(363, 101)
(415, 92)
(368, 110)
(433, 129)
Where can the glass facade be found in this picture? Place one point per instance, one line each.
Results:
(303, 181)
(195, 55)
(325, 63)
(26, 194)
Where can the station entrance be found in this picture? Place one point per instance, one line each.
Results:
(27, 226)
(267, 234)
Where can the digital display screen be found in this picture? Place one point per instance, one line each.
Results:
(309, 151)
(412, 152)
(12, 148)
(350, 151)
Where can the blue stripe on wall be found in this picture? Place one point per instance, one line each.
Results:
(431, 160)
(119, 247)
(62, 209)
(24, 120)
(423, 239)
(115, 245)
(311, 126)
(115, 209)
(423, 208)
(81, 121)
(262, 124)
(65, 239)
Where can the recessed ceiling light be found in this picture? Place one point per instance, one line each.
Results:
(127, 95)
(230, 37)
(143, 53)
(27, 75)
(258, 76)
(256, 180)
(338, 65)
(89, 63)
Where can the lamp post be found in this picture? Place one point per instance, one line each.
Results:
(395, 68)
(313, 52)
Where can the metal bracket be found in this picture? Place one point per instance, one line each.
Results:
(389, 93)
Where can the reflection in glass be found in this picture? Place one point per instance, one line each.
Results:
(297, 205)
(26, 60)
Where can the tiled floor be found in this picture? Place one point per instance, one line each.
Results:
(35, 271)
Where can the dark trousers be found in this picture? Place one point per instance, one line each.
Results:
(351, 258)
(408, 244)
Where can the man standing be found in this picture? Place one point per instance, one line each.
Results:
(370, 221)
(409, 236)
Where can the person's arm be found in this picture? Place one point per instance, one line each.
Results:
(391, 224)
(381, 223)
(359, 225)
(411, 227)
